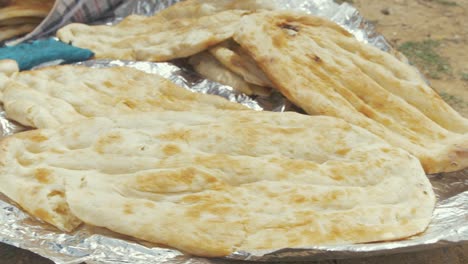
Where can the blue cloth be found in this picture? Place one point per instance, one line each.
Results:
(28, 55)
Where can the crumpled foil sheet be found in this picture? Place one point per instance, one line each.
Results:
(95, 245)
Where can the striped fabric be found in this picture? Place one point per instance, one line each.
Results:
(67, 11)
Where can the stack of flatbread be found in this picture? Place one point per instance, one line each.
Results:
(323, 69)
(18, 17)
(313, 62)
(180, 31)
(210, 177)
(213, 182)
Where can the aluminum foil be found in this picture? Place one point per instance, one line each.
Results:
(94, 245)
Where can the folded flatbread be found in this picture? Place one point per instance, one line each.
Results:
(160, 41)
(206, 65)
(18, 17)
(199, 8)
(7, 32)
(18, 21)
(210, 183)
(179, 31)
(233, 57)
(52, 96)
(25, 9)
(323, 69)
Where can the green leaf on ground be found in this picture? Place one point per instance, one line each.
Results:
(423, 54)
(464, 76)
(453, 100)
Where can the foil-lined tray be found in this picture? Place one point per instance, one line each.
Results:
(96, 245)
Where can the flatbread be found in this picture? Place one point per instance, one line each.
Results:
(209, 183)
(160, 41)
(233, 57)
(7, 32)
(179, 31)
(199, 8)
(207, 65)
(17, 21)
(52, 96)
(170, 17)
(19, 17)
(8, 68)
(26, 8)
(320, 67)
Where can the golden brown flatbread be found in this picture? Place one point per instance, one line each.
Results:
(234, 58)
(323, 69)
(199, 8)
(179, 31)
(207, 66)
(213, 182)
(7, 32)
(18, 21)
(18, 17)
(148, 41)
(51, 96)
(26, 9)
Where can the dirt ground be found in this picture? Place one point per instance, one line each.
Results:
(434, 36)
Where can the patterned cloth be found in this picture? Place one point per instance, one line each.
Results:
(67, 11)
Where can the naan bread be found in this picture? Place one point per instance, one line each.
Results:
(7, 32)
(199, 8)
(179, 31)
(18, 21)
(18, 17)
(320, 67)
(26, 9)
(231, 56)
(207, 65)
(52, 96)
(7, 69)
(209, 183)
(160, 41)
